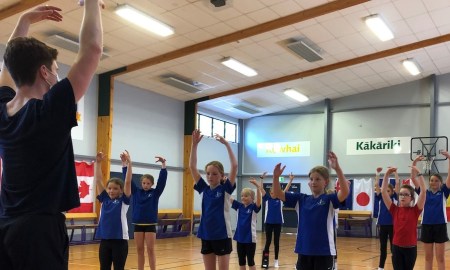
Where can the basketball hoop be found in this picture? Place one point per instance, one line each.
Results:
(427, 167)
(431, 149)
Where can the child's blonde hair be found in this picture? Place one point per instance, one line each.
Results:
(116, 181)
(248, 191)
(218, 165)
(149, 177)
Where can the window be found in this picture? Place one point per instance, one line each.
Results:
(210, 126)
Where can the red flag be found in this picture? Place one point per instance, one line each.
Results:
(85, 177)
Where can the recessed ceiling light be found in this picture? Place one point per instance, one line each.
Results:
(143, 20)
(294, 94)
(412, 66)
(239, 67)
(379, 27)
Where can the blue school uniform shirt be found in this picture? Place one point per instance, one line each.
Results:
(384, 216)
(246, 222)
(215, 221)
(315, 232)
(434, 211)
(145, 203)
(113, 217)
(273, 210)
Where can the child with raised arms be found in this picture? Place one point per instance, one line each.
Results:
(404, 220)
(384, 220)
(273, 219)
(215, 228)
(315, 243)
(145, 212)
(245, 234)
(112, 226)
(434, 217)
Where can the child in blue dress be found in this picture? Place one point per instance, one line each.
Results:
(245, 234)
(315, 243)
(215, 227)
(112, 226)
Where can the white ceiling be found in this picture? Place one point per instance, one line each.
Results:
(342, 35)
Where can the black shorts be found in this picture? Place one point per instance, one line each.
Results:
(144, 228)
(218, 247)
(34, 242)
(306, 262)
(434, 233)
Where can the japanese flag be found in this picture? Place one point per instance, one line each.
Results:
(85, 177)
(362, 194)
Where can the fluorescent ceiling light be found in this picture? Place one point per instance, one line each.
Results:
(412, 67)
(239, 67)
(379, 27)
(143, 20)
(294, 94)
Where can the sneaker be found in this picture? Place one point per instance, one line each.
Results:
(275, 264)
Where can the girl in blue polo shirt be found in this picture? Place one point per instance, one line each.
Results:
(434, 216)
(315, 243)
(384, 220)
(112, 226)
(214, 229)
(145, 212)
(273, 220)
(245, 234)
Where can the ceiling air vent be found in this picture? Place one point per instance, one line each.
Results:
(310, 52)
(248, 107)
(184, 84)
(68, 43)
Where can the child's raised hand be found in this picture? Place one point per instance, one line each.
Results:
(254, 182)
(263, 175)
(391, 170)
(220, 138)
(196, 136)
(417, 159)
(100, 157)
(291, 177)
(379, 169)
(333, 160)
(125, 157)
(160, 159)
(278, 170)
(445, 153)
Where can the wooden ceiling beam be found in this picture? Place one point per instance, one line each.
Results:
(19, 7)
(343, 64)
(248, 32)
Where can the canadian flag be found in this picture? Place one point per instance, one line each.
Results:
(85, 177)
(362, 194)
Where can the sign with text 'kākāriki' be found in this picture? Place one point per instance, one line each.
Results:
(374, 146)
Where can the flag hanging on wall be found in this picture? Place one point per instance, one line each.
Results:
(85, 177)
(362, 194)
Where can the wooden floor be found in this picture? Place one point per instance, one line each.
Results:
(184, 253)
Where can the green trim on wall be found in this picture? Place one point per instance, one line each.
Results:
(104, 91)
